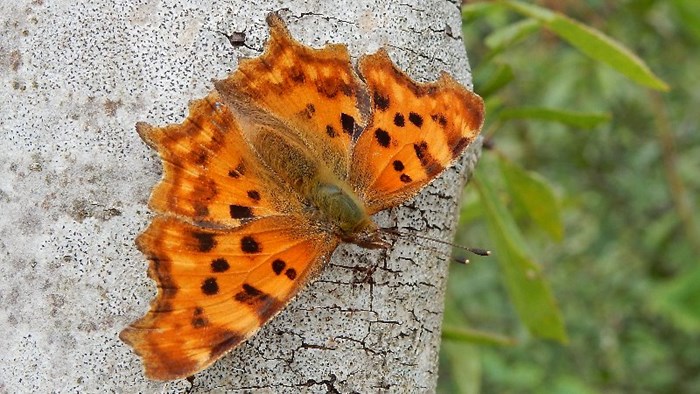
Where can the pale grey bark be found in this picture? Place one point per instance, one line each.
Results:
(75, 177)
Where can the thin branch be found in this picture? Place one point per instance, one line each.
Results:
(677, 189)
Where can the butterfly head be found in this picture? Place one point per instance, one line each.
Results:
(367, 235)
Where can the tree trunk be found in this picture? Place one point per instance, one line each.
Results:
(75, 179)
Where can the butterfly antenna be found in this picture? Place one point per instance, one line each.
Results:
(398, 233)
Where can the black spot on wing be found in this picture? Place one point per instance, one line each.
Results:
(240, 212)
(415, 119)
(348, 123)
(219, 265)
(380, 101)
(382, 137)
(250, 245)
(431, 166)
(278, 266)
(205, 241)
(254, 195)
(198, 318)
(238, 171)
(421, 150)
(440, 119)
(262, 303)
(399, 120)
(210, 287)
(331, 131)
(249, 293)
(297, 74)
(291, 273)
(308, 111)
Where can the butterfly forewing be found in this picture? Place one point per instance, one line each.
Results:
(210, 173)
(313, 92)
(414, 133)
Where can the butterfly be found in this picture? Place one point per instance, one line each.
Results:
(288, 157)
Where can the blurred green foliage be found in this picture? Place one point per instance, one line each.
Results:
(587, 193)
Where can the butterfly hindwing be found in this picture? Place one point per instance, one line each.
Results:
(209, 173)
(217, 287)
(414, 133)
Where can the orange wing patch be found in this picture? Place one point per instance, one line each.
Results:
(415, 132)
(314, 92)
(209, 172)
(218, 287)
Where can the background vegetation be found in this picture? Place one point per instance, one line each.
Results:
(587, 194)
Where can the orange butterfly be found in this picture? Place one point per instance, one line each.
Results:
(290, 156)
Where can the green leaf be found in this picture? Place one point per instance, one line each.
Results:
(475, 336)
(488, 83)
(511, 34)
(592, 43)
(570, 118)
(529, 291)
(477, 10)
(535, 196)
(689, 15)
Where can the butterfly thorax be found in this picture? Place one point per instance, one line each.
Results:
(334, 204)
(341, 208)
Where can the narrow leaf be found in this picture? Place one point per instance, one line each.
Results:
(511, 34)
(529, 291)
(535, 196)
(489, 83)
(476, 336)
(476, 10)
(570, 118)
(592, 43)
